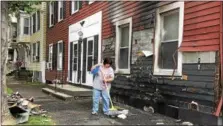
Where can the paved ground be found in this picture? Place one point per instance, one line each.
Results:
(78, 112)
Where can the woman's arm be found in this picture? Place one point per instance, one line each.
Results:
(95, 66)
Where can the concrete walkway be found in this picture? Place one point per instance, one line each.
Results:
(78, 112)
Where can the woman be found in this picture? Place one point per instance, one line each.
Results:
(102, 81)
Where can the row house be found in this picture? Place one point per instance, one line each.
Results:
(31, 41)
(166, 55)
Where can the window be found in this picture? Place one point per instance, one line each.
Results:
(36, 51)
(50, 58)
(59, 55)
(26, 26)
(35, 22)
(123, 46)
(75, 6)
(169, 30)
(51, 14)
(60, 10)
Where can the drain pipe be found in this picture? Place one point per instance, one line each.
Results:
(219, 107)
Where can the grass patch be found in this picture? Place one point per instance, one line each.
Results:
(39, 120)
(33, 83)
(9, 91)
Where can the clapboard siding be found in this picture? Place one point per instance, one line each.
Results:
(201, 26)
(141, 84)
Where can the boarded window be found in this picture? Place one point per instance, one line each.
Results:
(169, 39)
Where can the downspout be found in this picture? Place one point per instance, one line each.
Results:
(219, 107)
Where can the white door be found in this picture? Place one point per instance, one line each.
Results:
(89, 61)
(75, 63)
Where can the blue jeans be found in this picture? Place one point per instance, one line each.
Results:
(96, 97)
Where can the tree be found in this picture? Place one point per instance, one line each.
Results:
(8, 7)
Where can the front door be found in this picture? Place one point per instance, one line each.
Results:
(84, 56)
(75, 67)
(90, 58)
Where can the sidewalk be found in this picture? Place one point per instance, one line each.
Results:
(78, 112)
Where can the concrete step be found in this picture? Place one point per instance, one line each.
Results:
(56, 94)
(72, 90)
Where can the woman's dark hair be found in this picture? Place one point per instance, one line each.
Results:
(107, 61)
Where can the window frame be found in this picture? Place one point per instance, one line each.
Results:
(58, 56)
(49, 52)
(36, 52)
(91, 1)
(26, 25)
(117, 48)
(60, 5)
(163, 9)
(72, 7)
(51, 12)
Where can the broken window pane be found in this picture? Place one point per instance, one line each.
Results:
(166, 52)
(123, 58)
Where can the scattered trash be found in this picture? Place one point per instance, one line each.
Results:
(21, 108)
(187, 123)
(122, 116)
(149, 109)
(160, 123)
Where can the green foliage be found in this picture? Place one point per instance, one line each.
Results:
(9, 91)
(39, 120)
(16, 6)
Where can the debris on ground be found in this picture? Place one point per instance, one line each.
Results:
(21, 108)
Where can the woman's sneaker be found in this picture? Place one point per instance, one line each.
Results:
(94, 113)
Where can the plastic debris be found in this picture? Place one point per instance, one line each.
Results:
(21, 108)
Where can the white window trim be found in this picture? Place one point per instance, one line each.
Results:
(60, 3)
(122, 22)
(157, 70)
(61, 41)
(50, 25)
(36, 27)
(24, 26)
(91, 1)
(36, 52)
(50, 46)
(72, 7)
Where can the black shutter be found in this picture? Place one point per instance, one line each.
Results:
(48, 19)
(95, 49)
(38, 51)
(64, 9)
(71, 58)
(54, 64)
(80, 5)
(70, 9)
(38, 20)
(55, 12)
(84, 59)
(63, 60)
(47, 53)
(34, 22)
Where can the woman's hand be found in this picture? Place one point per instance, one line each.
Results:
(95, 66)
